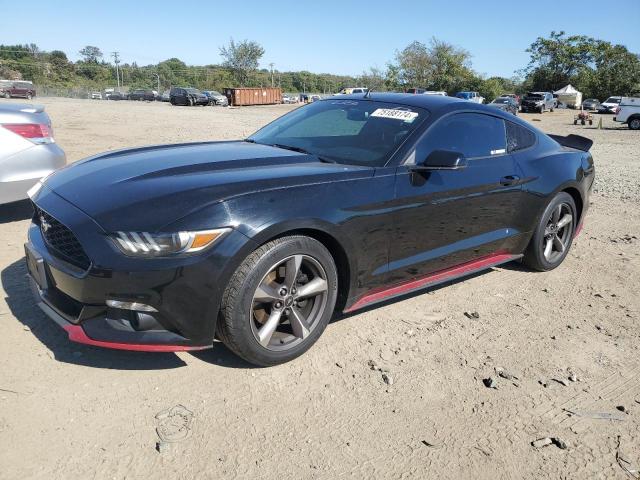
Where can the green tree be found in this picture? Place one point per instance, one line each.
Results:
(242, 58)
(91, 54)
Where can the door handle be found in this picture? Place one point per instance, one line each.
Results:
(509, 180)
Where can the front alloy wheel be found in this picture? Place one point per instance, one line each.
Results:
(279, 300)
(289, 302)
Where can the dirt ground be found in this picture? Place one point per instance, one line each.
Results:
(68, 411)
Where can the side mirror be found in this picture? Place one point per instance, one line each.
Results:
(442, 160)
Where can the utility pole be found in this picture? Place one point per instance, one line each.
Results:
(158, 77)
(116, 60)
(271, 65)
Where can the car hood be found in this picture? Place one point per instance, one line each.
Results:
(144, 189)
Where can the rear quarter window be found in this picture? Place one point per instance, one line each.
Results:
(518, 137)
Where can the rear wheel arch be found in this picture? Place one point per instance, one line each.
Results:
(577, 199)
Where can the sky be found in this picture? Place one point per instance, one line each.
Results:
(332, 36)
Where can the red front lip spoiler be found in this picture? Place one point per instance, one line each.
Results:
(77, 334)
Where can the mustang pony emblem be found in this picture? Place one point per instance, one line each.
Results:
(44, 224)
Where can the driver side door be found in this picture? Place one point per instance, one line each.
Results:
(445, 218)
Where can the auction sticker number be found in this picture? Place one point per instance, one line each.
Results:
(403, 115)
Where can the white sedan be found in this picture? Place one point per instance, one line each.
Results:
(28, 151)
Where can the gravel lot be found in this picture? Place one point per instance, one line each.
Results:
(69, 411)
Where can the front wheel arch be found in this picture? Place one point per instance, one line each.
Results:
(336, 249)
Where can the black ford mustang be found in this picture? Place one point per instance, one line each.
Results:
(335, 206)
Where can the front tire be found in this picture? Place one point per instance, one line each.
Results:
(279, 301)
(553, 236)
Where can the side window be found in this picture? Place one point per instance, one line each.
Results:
(472, 134)
(518, 137)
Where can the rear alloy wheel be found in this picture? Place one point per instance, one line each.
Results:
(7, 95)
(634, 124)
(553, 236)
(29, 97)
(279, 301)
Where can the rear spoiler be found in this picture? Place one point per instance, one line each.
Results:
(573, 141)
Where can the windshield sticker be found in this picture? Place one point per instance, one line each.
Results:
(500, 151)
(403, 115)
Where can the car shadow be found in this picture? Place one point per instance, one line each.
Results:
(24, 309)
(16, 211)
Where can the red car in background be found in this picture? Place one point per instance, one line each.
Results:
(17, 88)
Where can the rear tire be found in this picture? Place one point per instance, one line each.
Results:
(552, 238)
(268, 317)
(634, 123)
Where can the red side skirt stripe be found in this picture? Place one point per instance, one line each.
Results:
(441, 276)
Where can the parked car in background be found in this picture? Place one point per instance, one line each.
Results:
(538, 102)
(591, 104)
(474, 97)
(116, 96)
(164, 96)
(17, 89)
(28, 151)
(260, 242)
(609, 105)
(187, 96)
(352, 90)
(304, 97)
(142, 95)
(629, 112)
(506, 104)
(95, 96)
(514, 96)
(216, 98)
(288, 99)
(422, 91)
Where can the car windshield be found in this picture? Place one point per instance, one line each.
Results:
(465, 95)
(192, 90)
(214, 93)
(612, 100)
(536, 96)
(501, 100)
(344, 131)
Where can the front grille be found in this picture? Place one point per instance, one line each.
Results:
(60, 240)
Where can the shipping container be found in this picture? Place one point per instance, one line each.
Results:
(253, 96)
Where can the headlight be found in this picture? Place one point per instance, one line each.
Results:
(144, 244)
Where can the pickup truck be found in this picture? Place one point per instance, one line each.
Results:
(538, 102)
(628, 112)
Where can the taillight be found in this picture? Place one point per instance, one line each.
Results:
(617, 110)
(36, 132)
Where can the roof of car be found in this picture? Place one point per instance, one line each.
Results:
(430, 102)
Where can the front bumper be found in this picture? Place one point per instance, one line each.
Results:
(184, 292)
